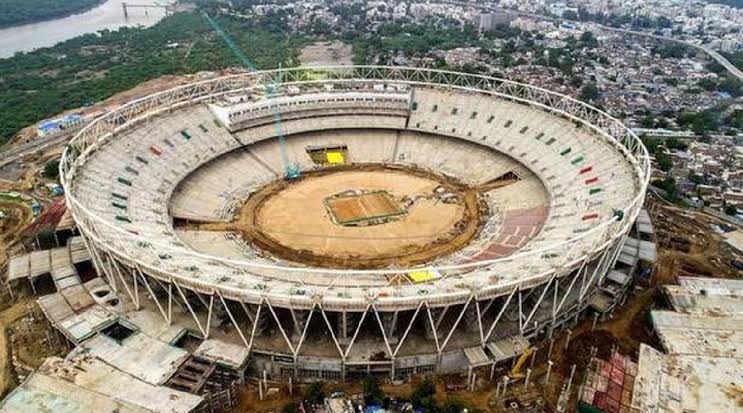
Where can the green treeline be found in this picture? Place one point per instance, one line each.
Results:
(91, 68)
(16, 12)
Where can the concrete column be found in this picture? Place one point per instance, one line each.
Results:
(343, 336)
(533, 357)
(567, 340)
(389, 322)
(435, 313)
(570, 379)
(299, 318)
(470, 319)
(261, 322)
(526, 380)
(549, 370)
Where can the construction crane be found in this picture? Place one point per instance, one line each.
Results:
(516, 372)
(291, 170)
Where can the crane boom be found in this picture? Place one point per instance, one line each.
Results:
(291, 171)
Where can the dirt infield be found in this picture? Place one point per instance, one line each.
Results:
(289, 219)
(362, 209)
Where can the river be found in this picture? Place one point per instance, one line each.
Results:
(109, 15)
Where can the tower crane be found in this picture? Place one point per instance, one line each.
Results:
(291, 170)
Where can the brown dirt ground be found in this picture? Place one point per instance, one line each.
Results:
(326, 53)
(7, 317)
(24, 340)
(440, 228)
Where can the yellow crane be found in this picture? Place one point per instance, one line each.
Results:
(516, 372)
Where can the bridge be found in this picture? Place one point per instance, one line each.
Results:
(127, 6)
(665, 133)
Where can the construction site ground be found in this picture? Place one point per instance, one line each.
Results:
(326, 54)
(26, 340)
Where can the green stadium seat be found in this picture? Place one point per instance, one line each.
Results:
(124, 181)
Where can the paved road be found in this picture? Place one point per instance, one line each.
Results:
(16, 152)
(712, 53)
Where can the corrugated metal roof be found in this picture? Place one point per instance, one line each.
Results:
(508, 347)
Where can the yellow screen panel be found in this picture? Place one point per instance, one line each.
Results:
(421, 276)
(334, 158)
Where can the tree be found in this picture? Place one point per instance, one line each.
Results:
(589, 92)
(51, 170)
(664, 161)
(373, 394)
(731, 210)
(707, 83)
(423, 396)
(587, 39)
(647, 121)
(732, 86)
(696, 179)
(46, 238)
(699, 122)
(669, 186)
(314, 395)
(734, 119)
(452, 406)
(290, 407)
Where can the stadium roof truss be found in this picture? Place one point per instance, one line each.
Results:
(574, 272)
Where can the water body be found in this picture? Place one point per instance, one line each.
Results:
(109, 15)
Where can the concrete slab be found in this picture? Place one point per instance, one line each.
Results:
(84, 384)
(231, 355)
(142, 356)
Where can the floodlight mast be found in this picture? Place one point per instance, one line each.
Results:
(291, 171)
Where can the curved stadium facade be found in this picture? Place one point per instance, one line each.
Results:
(437, 215)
